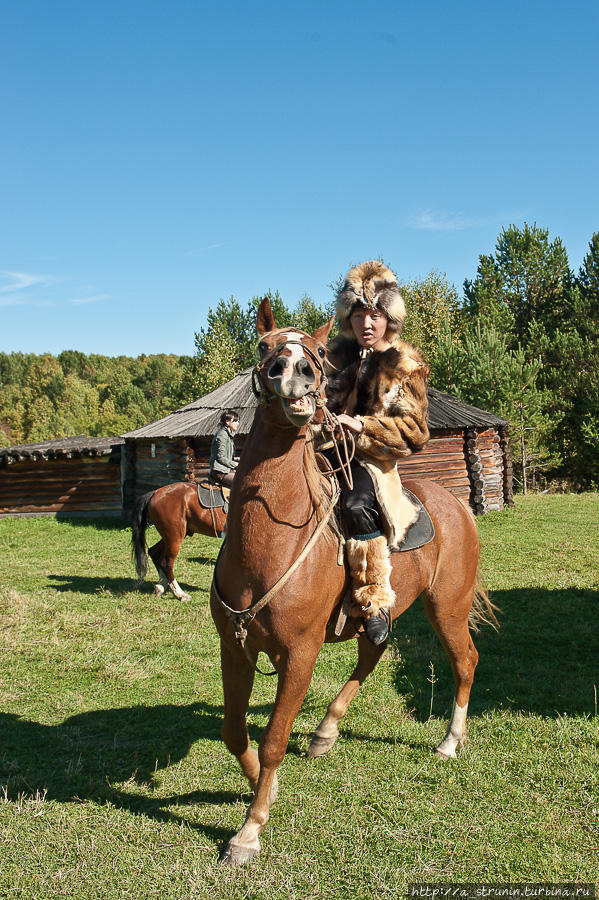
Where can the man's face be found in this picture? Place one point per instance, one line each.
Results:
(233, 424)
(368, 325)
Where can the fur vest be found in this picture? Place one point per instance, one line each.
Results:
(386, 390)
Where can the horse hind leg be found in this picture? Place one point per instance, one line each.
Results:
(327, 731)
(164, 556)
(452, 630)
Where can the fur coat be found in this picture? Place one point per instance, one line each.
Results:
(386, 390)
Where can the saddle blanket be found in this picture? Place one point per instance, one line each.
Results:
(213, 496)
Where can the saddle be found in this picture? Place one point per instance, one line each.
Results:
(212, 495)
(421, 532)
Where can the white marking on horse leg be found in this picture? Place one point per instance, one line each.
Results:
(456, 732)
(324, 736)
(177, 591)
(161, 586)
(245, 845)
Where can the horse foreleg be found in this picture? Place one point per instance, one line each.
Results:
(293, 683)
(455, 637)
(327, 732)
(238, 680)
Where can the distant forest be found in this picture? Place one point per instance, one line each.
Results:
(522, 341)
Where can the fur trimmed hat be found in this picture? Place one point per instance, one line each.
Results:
(373, 285)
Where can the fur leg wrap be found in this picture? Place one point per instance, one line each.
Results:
(370, 569)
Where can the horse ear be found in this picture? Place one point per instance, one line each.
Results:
(265, 320)
(321, 334)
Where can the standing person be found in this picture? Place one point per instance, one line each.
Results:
(377, 387)
(222, 462)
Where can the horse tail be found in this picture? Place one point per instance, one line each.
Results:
(139, 523)
(483, 609)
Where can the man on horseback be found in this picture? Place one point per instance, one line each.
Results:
(222, 462)
(377, 387)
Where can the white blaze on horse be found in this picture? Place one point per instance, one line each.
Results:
(278, 586)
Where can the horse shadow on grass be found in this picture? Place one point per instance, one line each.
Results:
(542, 660)
(100, 523)
(84, 756)
(85, 584)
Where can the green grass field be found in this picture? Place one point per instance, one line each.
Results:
(114, 782)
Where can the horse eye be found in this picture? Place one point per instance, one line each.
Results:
(262, 348)
(322, 352)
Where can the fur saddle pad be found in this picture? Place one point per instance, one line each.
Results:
(213, 496)
(421, 532)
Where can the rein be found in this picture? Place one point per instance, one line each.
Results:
(242, 618)
(330, 424)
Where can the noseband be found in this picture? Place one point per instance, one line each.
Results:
(330, 422)
(265, 397)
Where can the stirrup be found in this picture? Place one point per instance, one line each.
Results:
(377, 627)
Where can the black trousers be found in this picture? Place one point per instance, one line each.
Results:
(225, 478)
(358, 506)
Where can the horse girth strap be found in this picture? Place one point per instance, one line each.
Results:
(242, 618)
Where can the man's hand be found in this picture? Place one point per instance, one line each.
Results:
(354, 425)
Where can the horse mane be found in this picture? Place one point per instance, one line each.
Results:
(319, 487)
(314, 479)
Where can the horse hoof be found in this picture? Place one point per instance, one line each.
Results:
(158, 590)
(444, 756)
(320, 745)
(450, 751)
(185, 598)
(236, 855)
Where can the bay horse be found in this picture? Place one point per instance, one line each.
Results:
(175, 511)
(275, 508)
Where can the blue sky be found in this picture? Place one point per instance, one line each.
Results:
(156, 157)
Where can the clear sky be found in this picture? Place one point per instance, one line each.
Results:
(155, 157)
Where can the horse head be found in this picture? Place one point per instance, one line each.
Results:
(290, 366)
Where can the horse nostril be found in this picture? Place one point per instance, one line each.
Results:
(304, 369)
(277, 368)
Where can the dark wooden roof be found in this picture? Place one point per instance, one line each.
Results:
(446, 411)
(201, 418)
(80, 445)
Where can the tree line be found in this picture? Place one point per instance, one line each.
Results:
(522, 341)
(45, 396)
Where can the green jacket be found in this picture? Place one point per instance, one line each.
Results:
(221, 451)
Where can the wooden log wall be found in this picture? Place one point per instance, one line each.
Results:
(468, 463)
(442, 460)
(79, 485)
(154, 463)
(198, 457)
(508, 477)
(488, 444)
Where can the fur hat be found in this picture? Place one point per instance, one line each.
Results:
(373, 285)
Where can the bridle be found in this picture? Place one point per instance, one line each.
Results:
(241, 619)
(330, 423)
(265, 397)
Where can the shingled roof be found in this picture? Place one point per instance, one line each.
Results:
(80, 445)
(201, 418)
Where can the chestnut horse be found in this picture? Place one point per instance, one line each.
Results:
(273, 513)
(175, 511)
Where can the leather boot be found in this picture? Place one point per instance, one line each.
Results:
(371, 589)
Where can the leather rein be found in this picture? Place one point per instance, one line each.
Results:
(241, 619)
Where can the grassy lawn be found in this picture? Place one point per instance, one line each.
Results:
(114, 782)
